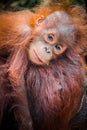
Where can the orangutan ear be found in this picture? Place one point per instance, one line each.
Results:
(40, 20)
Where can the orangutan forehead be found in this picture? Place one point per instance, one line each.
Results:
(58, 16)
(60, 21)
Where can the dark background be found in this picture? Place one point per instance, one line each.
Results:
(22, 4)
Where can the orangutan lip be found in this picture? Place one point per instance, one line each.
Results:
(38, 57)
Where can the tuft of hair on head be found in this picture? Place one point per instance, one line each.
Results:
(57, 5)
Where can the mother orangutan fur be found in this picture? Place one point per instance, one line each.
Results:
(30, 88)
(54, 103)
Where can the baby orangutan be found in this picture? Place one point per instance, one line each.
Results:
(41, 82)
(52, 38)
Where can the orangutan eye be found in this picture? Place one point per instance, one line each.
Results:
(50, 37)
(57, 47)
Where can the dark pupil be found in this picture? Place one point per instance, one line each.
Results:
(50, 37)
(57, 47)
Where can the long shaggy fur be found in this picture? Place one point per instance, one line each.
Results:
(35, 97)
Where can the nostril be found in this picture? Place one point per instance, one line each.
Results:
(47, 49)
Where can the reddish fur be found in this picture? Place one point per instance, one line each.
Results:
(19, 25)
(33, 90)
(50, 108)
(54, 108)
(11, 35)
